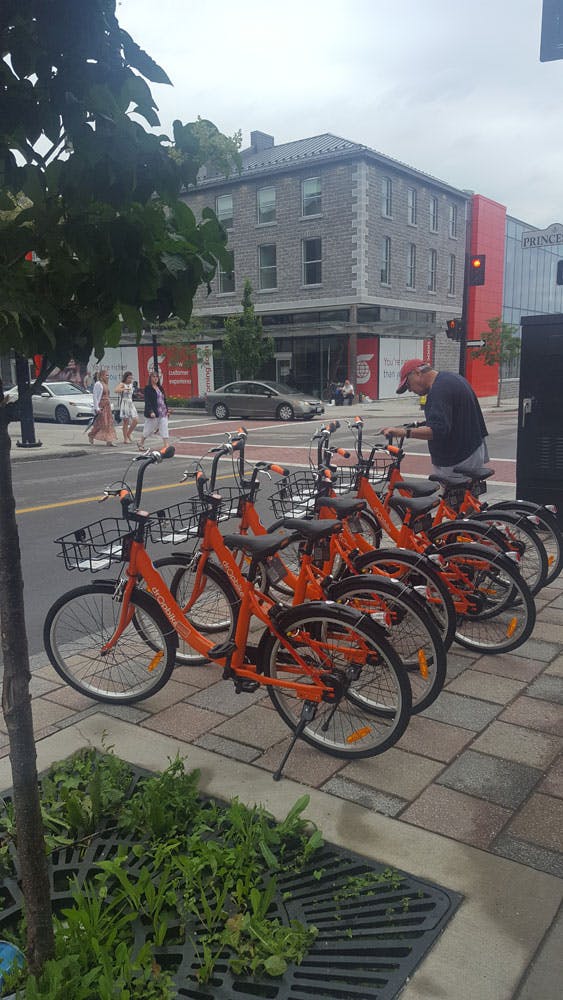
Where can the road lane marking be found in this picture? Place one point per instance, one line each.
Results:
(79, 500)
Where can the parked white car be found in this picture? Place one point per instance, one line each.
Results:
(63, 402)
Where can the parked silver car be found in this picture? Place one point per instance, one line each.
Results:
(62, 402)
(261, 399)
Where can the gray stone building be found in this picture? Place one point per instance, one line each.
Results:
(356, 260)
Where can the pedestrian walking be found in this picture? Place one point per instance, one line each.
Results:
(156, 411)
(103, 426)
(454, 426)
(127, 408)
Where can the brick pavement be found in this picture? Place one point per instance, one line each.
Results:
(483, 765)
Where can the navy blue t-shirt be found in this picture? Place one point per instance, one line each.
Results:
(452, 411)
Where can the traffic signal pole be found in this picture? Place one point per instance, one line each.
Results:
(464, 311)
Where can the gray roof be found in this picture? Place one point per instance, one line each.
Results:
(314, 149)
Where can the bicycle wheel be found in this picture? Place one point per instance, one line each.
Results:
(544, 525)
(412, 632)
(416, 571)
(79, 624)
(500, 613)
(213, 612)
(372, 698)
(520, 537)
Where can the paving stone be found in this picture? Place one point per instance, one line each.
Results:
(540, 821)
(434, 739)
(535, 714)
(71, 698)
(461, 817)
(529, 854)
(535, 649)
(505, 782)
(183, 721)
(553, 781)
(258, 726)
(228, 748)
(508, 665)
(527, 746)
(547, 687)
(197, 677)
(305, 764)
(550, 614)
(42, 685)
(555, 668)
(47, 713)
(456, 665)
(458, 710)
(389, 805)
(489, 687)
(402, 774)
(223, 698)
(549, 631)
(129, 713)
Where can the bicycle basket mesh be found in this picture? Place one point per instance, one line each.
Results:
(176, 524)
(96, 546)
(294, 495)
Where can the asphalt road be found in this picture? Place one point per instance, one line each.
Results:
(59, 495)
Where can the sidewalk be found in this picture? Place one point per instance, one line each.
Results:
(471, 798)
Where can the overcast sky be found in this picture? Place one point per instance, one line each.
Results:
(453, 88)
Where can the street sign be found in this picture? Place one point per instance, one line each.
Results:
(475, 343)
(550, 237)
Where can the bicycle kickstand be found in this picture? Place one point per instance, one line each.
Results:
(308, 713)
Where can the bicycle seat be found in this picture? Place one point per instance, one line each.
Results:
(418, 488)
(418, 505)
(473, 474)
(260, 547)
(312, 530)
(342, 506)
(446, 481)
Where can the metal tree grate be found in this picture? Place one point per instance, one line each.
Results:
(375, 926)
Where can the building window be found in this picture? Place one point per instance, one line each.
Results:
(312, 262)
(432, 270)
(411, 266)
(453, 221)
(387, 197)
(224, 210)
(227, 279)
(451, 274)
(411, 206)
(267, 204)
(311, 196)
(433, 215)
(386, 261)
(267, 264)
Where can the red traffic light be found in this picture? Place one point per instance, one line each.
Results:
(477, 269)
(454, 329)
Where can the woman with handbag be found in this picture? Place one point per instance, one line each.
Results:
(156, 411)
(103, 426)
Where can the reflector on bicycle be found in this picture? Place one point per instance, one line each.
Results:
(359, 734)
(155, 661)
(422, 664)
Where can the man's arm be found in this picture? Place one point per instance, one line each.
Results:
(422, 433)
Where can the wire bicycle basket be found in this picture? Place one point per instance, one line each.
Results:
(178, 523)
(96, 546)
(295, 495)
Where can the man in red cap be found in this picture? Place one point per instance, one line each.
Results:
(454, 426)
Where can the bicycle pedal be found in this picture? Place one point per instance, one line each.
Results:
(243, 686)
(222, 649)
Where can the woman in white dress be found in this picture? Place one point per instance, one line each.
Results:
(127, 408)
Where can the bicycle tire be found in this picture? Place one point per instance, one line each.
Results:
(518, 531)
(214, 612)
(547, 530)
(417, 571)
(412, 631)
(503, 614)
(372, 709)
(84, 619)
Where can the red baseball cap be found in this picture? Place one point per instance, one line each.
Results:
(408, 367)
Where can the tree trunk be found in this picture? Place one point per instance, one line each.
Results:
(16, 705)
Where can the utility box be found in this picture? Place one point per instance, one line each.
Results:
(539, 458)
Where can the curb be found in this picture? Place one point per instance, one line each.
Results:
(19, 455)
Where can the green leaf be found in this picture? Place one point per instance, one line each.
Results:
(136, 57)
(275, 965)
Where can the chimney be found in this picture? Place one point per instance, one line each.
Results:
(260, 141)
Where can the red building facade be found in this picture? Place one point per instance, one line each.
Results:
(487, 236)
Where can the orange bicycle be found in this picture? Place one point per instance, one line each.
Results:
(330, 671)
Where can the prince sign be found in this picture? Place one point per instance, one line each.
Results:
(550, 237)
